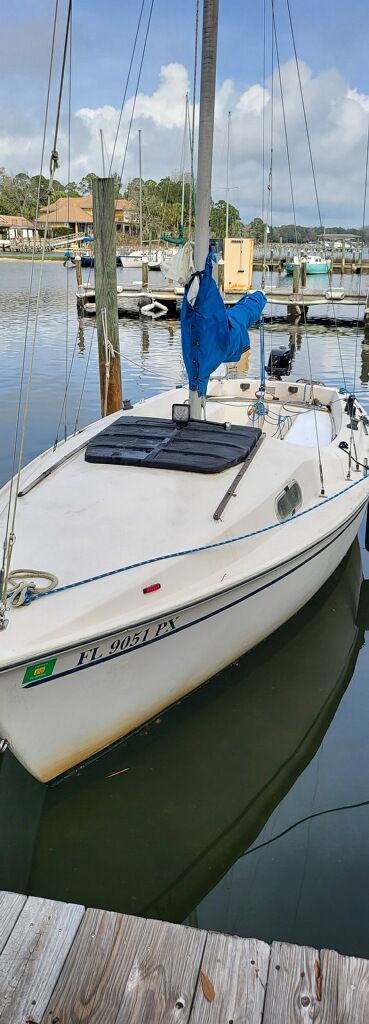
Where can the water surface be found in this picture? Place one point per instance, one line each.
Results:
(244, 808)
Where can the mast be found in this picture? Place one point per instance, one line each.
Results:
(184, 160)
(102, 153)
(227, 186)
(140, 173)
(205, 149)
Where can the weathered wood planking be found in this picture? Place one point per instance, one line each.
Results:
(237, 969)
(345, 989)
(95, 974)
(291, 995)
(61, 964)
(33, 956)
(11, 904)
(163, 976)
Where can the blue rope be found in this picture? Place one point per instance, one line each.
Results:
(189, 551)
(262, 352)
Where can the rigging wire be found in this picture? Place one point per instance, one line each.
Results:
(126, 87)
(118, 186)
(330, 276)
(361, 253)
(68, 205)
(274, 30)
(8, 544)
(263, 275)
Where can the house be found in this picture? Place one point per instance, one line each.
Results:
(15, 230)
(75, 213)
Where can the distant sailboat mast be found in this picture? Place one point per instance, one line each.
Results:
(205, 151)
(102, 153)
(140, 174)
(227, 185)
(184, 161)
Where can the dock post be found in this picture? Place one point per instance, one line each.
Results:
(221, 276)
(106, 295)
(303, 275)
(296, 275)
(78, 266)
(366, 319)
(280, 255)
(145, 273)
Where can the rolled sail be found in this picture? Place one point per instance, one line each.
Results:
(211, 334)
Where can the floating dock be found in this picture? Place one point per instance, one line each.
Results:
(61, 963)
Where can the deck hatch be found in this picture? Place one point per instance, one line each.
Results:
(194, 447)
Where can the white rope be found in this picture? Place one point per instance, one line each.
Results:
(109, 355)
(21, 583)
(10, 529)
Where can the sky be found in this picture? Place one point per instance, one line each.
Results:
(331, 40)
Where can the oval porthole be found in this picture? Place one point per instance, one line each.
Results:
(289, 501)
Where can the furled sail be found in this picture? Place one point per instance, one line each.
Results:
(211, 334)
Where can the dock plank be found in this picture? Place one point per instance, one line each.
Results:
(92, 982)
(33, 956)
(237, 969)
(291, 995)
(163, 977)
(11, 904)
(345, 989)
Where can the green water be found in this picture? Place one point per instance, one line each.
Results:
(238, 809)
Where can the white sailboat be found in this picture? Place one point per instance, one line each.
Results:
(177, 536)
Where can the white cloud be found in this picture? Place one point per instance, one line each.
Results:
(337, 116)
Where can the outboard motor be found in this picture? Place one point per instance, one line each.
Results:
(279, 363)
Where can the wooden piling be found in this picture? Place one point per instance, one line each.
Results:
(145, 273)
(296, 275)
(220, 266)
(106, 295)
(78, 266)
(303, 275)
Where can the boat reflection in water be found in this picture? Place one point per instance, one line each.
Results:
(155, 824)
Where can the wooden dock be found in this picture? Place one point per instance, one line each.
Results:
(157, 302)
(62, 964)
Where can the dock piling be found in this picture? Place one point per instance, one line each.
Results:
(145, 273)
(78, 266)
(106, 295)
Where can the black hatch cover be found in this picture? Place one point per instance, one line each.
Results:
(195, 447)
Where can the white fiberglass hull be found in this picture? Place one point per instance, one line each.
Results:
(102, 691)
(131, 262)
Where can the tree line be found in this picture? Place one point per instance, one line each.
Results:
(161, 207)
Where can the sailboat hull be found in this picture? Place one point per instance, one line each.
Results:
(98, 693)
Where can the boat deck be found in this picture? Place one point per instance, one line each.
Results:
(62, 962)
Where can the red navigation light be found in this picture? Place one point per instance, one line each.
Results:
(151, 588)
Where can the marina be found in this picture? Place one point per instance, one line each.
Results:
(184, 520)
(222, 741)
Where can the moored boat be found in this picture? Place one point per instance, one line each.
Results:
(174, 537)
(106, 650)
(239, 745)
(314, 263)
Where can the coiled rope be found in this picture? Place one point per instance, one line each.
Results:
(21, 585)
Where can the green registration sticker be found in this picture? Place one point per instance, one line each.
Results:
(35, 672)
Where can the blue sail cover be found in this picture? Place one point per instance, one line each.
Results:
(211, 334)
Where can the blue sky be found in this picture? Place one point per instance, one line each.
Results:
(331, 40)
